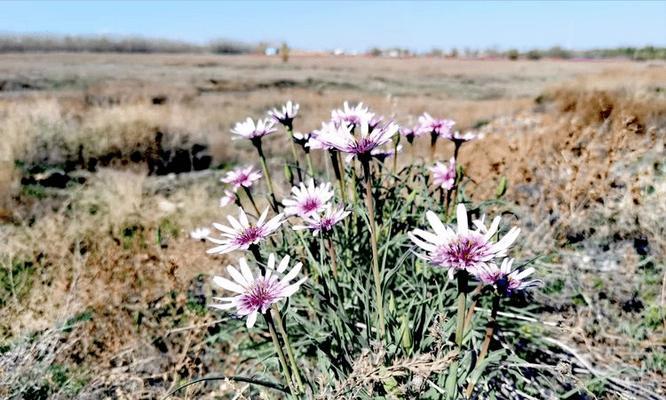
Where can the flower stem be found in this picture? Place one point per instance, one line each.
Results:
(332, 255)
(433, 146)
(290, 352)
(278, 348)
(293, 153)
(395, 154)
(308, 159)
(490, 329)
(373, 241)
(267, 174)
(452, 379)
(249, 197)
(335, 161)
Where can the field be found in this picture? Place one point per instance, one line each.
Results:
(108, 161)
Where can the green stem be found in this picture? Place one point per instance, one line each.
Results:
(452, 380)
(278, 348)
(293, 153)
(290, 352)
(249, 197)
(335, 161)
(373, 241)
(490, 329)
(332, 255)
(267, 174)
(308, 159)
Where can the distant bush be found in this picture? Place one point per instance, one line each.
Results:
(512, 54)
(224, 46)
(533, 55)
(97, 44)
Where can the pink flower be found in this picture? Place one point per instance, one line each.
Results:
(242, 177)
(434, 126)
(228, 198)
(443, 175)
(323, 223)
(503, 279)
(360, 144)
(241, 234)
(315, 143)
(249, 130)
(286, 115)
(308, 199)
(463, 249)
(351, 115)
(255, 295)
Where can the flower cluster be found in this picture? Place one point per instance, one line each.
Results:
(365, 245)
(465, 249)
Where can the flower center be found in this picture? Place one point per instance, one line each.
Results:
(262, 294)
(311, 204)
(250, 235)
(464, 252)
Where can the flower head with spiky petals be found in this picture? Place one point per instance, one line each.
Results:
(444, 176)
(256, 294)
(248, 129)
(323, 222)
(362, 144)
(435, 126)
(463, 249)
(200, 233)
(308, 199)
(351, 116)
(286, 115)
(242, 177)
(241, 234)
(460, 138)
(505, 280)
(228, 198)
(410, 133)
(302, 140)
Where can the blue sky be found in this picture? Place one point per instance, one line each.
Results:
(355, 25)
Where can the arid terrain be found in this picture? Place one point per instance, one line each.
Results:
(108, 161)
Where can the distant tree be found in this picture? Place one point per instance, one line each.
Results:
(558, 52)
(284, 52)
(436, 52)
(375, 52)
(512, 54)
(454, 53)
(533, 55)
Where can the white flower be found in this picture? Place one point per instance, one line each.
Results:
(435, 126)
(323, 223)
(463, 249)
(249, 130)
(359, 144)
(244, 177)
(200, 233)
(308, 199)
(241, 234)
(255, 294)
(351, 115)
(286, 115)
(503, 279)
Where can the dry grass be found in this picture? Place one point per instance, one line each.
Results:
(105, 268)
